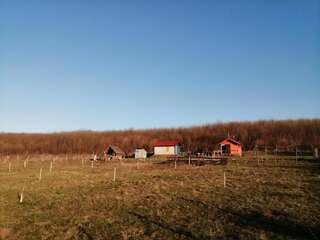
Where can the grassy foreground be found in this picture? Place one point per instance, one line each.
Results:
(148, 200)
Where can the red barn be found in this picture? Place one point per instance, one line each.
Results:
(230, 146)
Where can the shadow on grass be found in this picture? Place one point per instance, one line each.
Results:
(167, 226)
(274, 222)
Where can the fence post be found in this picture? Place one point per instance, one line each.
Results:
(21, 195)
(114, 174)
(40, 174)
(175, 164)
(316, 153)
(224, 179)
(9, 166)
(25, 163)
(51, 165)
(189, 160)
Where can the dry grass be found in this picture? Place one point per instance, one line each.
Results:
(156, 201)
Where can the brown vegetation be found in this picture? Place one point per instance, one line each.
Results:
(196, 139)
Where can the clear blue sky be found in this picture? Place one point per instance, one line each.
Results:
(100, 65)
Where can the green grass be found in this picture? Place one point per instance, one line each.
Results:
(276, 200)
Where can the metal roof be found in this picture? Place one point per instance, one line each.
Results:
(166, 143)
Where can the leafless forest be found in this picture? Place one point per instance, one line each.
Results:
(281, 133)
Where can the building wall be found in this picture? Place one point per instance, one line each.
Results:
(235, 150)
(171, 150)
(177, 150)
(140, 153)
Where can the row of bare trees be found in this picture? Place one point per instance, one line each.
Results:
(204, 138)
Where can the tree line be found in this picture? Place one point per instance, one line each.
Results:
(281, 133)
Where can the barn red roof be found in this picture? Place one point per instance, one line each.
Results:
(166, 143)
(231, 140)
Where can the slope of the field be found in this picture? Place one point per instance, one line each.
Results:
(277, 199)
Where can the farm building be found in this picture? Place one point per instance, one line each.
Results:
(167, 147)
(140, 153)
(230, 146)
(114, 152)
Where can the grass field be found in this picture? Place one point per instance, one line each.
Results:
(149, 200)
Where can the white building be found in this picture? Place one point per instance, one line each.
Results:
(140, 153)
(167, 147)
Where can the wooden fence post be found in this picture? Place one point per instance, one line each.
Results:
(316, 153)
(224, 179)
(51, 165)
(9, 166)
(25, 163)
(175, 164)
(189, 160)
(21, 195)
(40, 174)
(114, 174)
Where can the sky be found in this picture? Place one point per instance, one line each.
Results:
(109, 65)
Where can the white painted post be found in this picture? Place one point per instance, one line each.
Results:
(40, 174)
(21, 195)
(224, 179)
(25, 163)
(189, 160)
(82, 162)
(51, 165)
(114, 174)
(9, 166)
(175, 164)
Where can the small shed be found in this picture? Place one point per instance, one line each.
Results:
(114, 152)
(140, 153)
(167, 147)
(230, 146)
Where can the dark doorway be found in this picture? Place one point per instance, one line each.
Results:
(225, 148)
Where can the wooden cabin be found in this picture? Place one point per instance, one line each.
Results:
(230, 146)
(114, 152)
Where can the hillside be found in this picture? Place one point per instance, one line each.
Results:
(204, 138)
